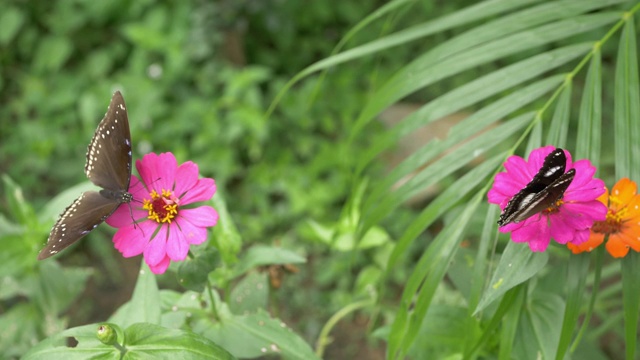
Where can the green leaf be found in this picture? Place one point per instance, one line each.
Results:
(424, 280)
(577, 272)
(254, 335)
(20, 209)
(590, 120)
(52, 52)
(626, 105)
(20, 328)
(250, 294)
(142, 341)
(539, 327)
(559, 127)
(462, 17)
(144, 305)
(440, 205)
(260, 255)
(193, 273)
(225, 234)
(58, 287)
(149, 341)
(433, 66)
(630, 267)
(11, 19)
(445, 166)
(517, 265)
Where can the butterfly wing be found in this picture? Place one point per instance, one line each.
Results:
(529, 204)
(109, 153)
(546, 187)
(83, 215)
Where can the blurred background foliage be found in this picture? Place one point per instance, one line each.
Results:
(198, 77)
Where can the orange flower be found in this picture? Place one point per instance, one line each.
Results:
(622, 224)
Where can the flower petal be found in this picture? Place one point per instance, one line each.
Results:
(186, 178)
(203, 190)
(202, 216)
(593, 242)
(132, 241)
(160, 267)
(616, 247)
(177, 245)
(192, 233)
(624, 190)
(158, 171)
(157, 248)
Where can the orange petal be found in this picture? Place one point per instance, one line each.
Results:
(594, 241)
(604, 198)
(616, 247)
(633, 208)
(624, 190)
(628, 239)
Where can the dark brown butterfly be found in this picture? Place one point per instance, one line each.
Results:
(108, 166)
(543, 191)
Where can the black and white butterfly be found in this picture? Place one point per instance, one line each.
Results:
(108, 166)
(543, 191)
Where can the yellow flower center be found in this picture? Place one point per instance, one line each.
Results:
(554, 207)
(162, 208)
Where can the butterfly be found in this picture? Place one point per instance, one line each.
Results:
(543, 191)
(109, 167)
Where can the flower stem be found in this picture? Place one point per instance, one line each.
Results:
(323, 338)
(212, 300)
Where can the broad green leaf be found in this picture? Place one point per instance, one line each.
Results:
(149, 341)
(539, 330)
(517, 264)
(254, 335)
(441, 331)
(144, 305)
(142, 341)
(260, 255)
(250, 294)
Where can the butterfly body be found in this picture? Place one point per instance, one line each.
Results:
(108, 165)
(542, 192)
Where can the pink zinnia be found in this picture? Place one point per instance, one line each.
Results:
(569, 219)
(164, 229)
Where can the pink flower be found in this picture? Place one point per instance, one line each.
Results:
(566, 221)
(164, 228)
